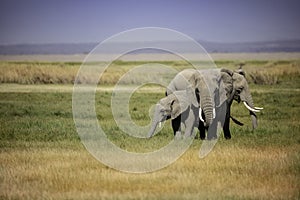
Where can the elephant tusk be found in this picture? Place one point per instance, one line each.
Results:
(258, 108)
(159, 125)
(214, 113)
(249, 108)
(200, 114)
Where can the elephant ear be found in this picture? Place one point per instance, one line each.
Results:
(227, 82)
(191, 95)
(238, 78)
(175, 109)
(180, 104)
(194, 80)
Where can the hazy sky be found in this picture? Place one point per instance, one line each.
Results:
(76, 21)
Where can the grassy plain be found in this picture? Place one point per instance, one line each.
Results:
(22, 72)
(42, 156)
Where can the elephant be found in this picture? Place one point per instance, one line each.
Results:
(180, 106)
(181, 82)
(224, 86)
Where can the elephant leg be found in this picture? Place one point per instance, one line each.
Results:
(201, 129)
(226, 124)
(190, 121)
(189, 128)
(176, 124)
(212, 130)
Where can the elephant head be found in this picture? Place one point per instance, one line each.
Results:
(204, 97)
(223, 85)
(172, 106)
(237, 89)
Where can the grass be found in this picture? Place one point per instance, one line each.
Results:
(42, 156)
(258, 72)
(65, 73)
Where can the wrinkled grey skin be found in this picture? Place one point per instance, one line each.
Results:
(224, 86)
(182, 80)
(181, 107)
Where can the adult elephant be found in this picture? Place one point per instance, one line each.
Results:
(224, 86)
(182, 107)
(206, 104)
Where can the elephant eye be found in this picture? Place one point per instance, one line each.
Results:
(239, 90)
(163, 110)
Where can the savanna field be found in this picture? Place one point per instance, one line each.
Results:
(42, 156)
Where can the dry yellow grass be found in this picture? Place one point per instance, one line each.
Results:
(37, 73)
(258, 72)
(272, 73)
(227, 172)
(155, 57)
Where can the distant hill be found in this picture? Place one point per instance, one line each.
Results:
(84, 48)
(33, 49)
(254, 47)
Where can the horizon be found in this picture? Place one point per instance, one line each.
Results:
(182, 46)
(75, 22)
(199, 41)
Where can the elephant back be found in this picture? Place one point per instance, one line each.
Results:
(180, 81)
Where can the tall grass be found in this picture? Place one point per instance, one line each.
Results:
(274, 73)
(262, 72)
(37, 73)
(65, 73)
(258, 72)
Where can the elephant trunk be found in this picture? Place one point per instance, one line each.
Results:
(248, 102)
(252, 114)
(206, 102)
(207, 106)
(152, 129)
(157, 119)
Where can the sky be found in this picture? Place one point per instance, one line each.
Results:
(80, 21)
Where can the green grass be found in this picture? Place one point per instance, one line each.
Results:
(42, 156)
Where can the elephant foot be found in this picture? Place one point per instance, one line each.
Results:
(202, 136)
(227, 134)
(189, 134)
(212, 137)
(227, 137)
(178, 135)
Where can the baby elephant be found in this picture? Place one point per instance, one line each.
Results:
(180, 106)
